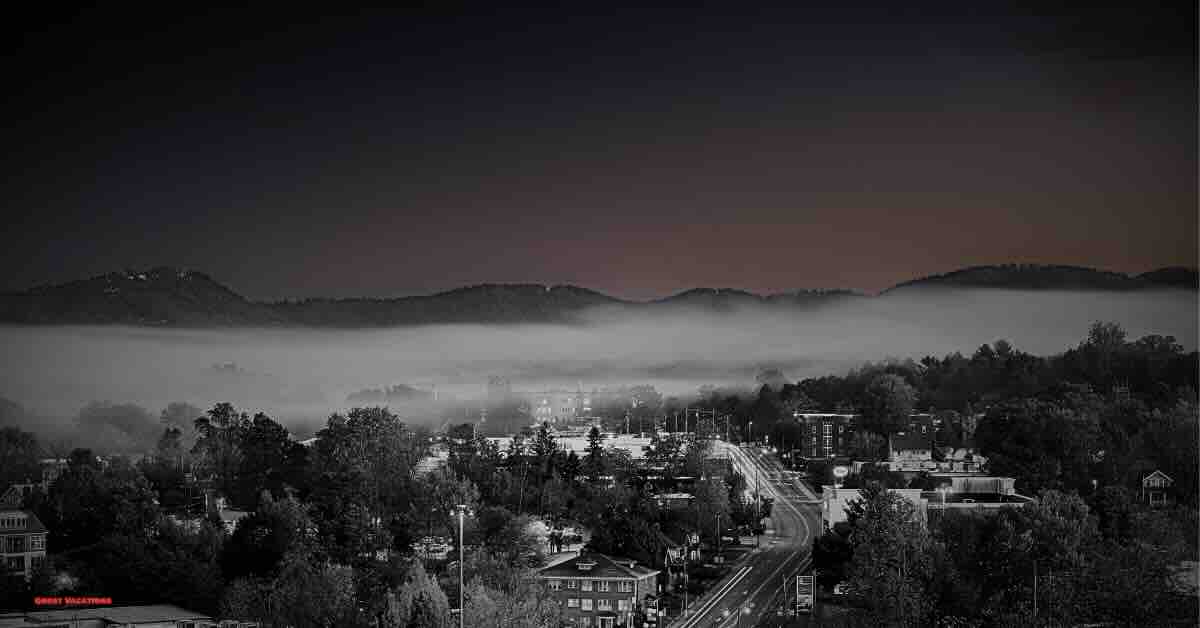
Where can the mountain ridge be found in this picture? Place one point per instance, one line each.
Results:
(165, 296)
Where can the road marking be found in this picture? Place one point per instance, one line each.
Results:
(716, 598)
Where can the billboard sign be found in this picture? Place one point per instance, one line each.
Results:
(804, 595)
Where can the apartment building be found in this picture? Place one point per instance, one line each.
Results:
(598, 591)
(824, 435)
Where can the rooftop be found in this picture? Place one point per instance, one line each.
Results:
(121, 615)
(592, 565)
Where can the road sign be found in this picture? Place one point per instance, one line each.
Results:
(804, 595)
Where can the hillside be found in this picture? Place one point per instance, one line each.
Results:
(179, 298)
(1049, 277)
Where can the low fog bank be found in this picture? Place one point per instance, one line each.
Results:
(301, 376)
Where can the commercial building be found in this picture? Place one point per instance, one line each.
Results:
(150, 616)
(598, 591)
(958, 493)
(835, 503)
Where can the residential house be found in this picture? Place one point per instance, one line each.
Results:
(22, 537)
(599, 591)
(1156, 489)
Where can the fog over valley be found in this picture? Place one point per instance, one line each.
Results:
(300, 376)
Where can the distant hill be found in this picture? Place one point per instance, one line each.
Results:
(160, 296)
(180, 298)
(1173, 277)
(1047, 277)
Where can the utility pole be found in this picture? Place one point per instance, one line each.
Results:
(718, 531)
(1035, 609)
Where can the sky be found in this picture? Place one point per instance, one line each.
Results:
(637, 152)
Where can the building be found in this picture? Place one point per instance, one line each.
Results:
(150, 616)
(910, 451)
(557, 406)
(499, 389)
(974, 483)
(51, 469)
(959, 494)
(22, 537)
(1156, 489)
(835, 503)
(825, 435)
(601, 591)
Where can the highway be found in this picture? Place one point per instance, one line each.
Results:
(750, 593)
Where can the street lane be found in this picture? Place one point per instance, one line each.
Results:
(784, 551)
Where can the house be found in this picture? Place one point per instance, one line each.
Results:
(908, 448)
(1156, 488)
(600, 591)
(22, 537)
(150, 616)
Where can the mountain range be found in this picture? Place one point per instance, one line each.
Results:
(180, 298)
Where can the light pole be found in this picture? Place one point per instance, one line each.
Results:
(462, 511)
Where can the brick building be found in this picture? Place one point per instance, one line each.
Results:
(599, 591)
(824, 435)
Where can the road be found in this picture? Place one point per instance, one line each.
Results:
(753, 589)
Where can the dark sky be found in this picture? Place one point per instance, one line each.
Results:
(637, 152)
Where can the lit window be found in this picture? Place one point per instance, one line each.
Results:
(587, 585)
(623, 605)
(572, 584)
(603, 586)
(585, 604)
(556, 585)
(572, 602)
(624, 586)
(604, 604)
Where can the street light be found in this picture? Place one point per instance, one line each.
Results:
(462, 511)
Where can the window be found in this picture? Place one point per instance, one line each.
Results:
(555, 584)
(572, 602)
(604, 604)
(828, 429)
(587, 585)
(624, 586)
(36, 562)
(15, 563)
(605, 622)
(623, 605)
(14, 544)
(841, 429)
(603, 586)
(828, 441)
(572, 584)
(585, 604)
(37, 542)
